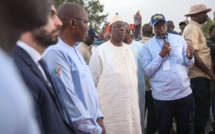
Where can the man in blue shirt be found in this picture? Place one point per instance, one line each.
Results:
(71, 74)
(165, 58)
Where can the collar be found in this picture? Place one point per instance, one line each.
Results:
(146, 38)
(31, 51)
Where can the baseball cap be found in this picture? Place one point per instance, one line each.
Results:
(92, 33)
(157, 17)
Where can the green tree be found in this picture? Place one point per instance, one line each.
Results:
(207, 25)
(94, 10)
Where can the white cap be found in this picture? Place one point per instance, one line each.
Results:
(115, 19)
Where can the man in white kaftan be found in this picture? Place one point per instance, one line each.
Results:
(115, 75)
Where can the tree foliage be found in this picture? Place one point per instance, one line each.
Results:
(93, 8)
(207, 25)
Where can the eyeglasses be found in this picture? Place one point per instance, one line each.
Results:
(83, 20)
(118, 26)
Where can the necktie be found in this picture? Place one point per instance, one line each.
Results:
(62, 105)
(45, 69)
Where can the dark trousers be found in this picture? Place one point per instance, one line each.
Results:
(149, 106)
(136, 31)
(180, 109)
(201, 103)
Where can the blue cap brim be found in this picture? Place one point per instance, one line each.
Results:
(160, 19)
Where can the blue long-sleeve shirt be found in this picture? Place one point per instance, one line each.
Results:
(136, 47)
(72, 77)
(172, 83)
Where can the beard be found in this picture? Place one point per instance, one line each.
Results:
(45, 38)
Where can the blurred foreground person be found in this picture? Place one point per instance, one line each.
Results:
(16, 114)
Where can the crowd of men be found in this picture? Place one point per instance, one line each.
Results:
(50, 86)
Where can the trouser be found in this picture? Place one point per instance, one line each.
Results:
(201, 103)
(136, 31)
(141, 93)
(151, 121)
(166, 110)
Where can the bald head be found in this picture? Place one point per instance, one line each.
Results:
(69, 10)
(170, 25)
(75, 23)
(147, 30)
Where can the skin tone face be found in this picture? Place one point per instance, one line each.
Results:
(159, 28)
(81, 21)
(48, 34)
(118, 30)
(75, 23)
(127, 38)
(201, 18)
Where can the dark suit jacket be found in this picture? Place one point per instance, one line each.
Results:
(48, 112)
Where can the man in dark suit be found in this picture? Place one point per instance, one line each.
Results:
(50, 112)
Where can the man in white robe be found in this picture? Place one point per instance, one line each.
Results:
(115, 75)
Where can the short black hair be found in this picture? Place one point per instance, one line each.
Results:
(211, 28)
(182, 23)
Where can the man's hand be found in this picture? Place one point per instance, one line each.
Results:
(189, 50)
(165, 49)
(100, 122)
